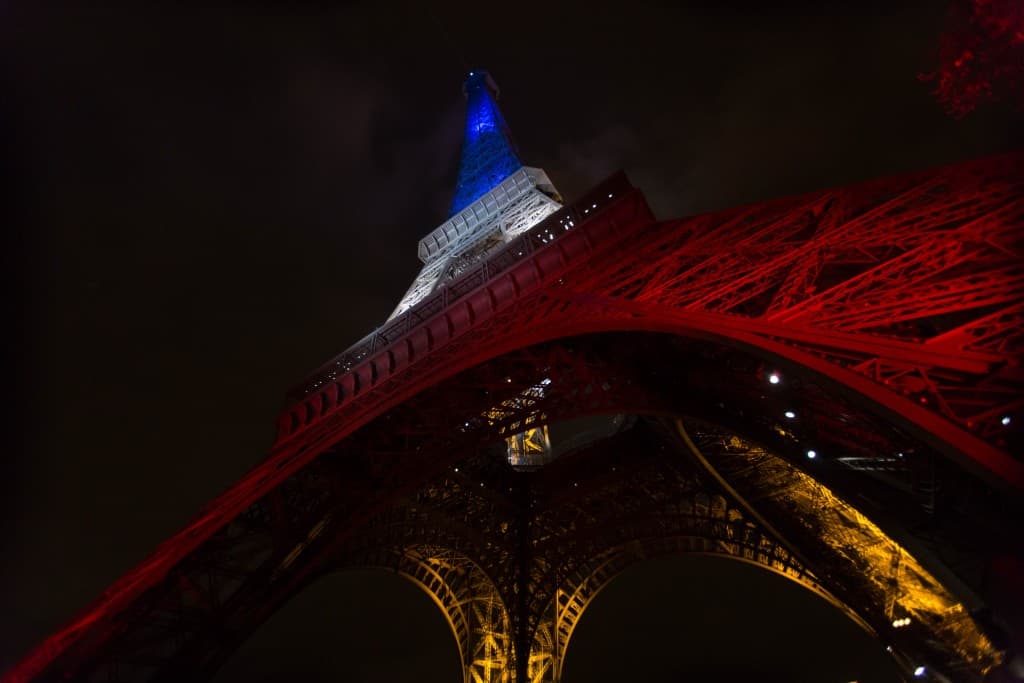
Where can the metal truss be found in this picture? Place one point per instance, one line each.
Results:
(807, 281)
(890, 310)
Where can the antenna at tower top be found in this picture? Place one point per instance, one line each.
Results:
(480, 78)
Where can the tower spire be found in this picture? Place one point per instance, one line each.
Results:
(488, 153)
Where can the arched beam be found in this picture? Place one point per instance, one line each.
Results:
(586, 313)
(465, 594)
(554, 634)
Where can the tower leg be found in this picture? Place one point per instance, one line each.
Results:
(545, 664)
(488, 653)
(469, 600)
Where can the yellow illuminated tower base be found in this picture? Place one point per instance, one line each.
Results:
(514, 610)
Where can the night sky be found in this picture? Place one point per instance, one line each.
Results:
(209, 204)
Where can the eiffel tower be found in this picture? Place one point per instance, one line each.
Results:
(827, 387)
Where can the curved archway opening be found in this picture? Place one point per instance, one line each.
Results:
(380, 628)
(711, 619)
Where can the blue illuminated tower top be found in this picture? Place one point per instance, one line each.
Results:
(488, 155)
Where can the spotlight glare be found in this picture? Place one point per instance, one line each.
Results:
(790, 414)
(919, 671)
(774, 378)
(812, 454)
(1005, 420)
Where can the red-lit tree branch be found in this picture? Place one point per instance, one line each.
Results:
(981, 55)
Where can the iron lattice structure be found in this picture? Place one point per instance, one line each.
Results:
(888, 315)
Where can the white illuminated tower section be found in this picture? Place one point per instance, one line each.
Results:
(496, 199)
(496, 196)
